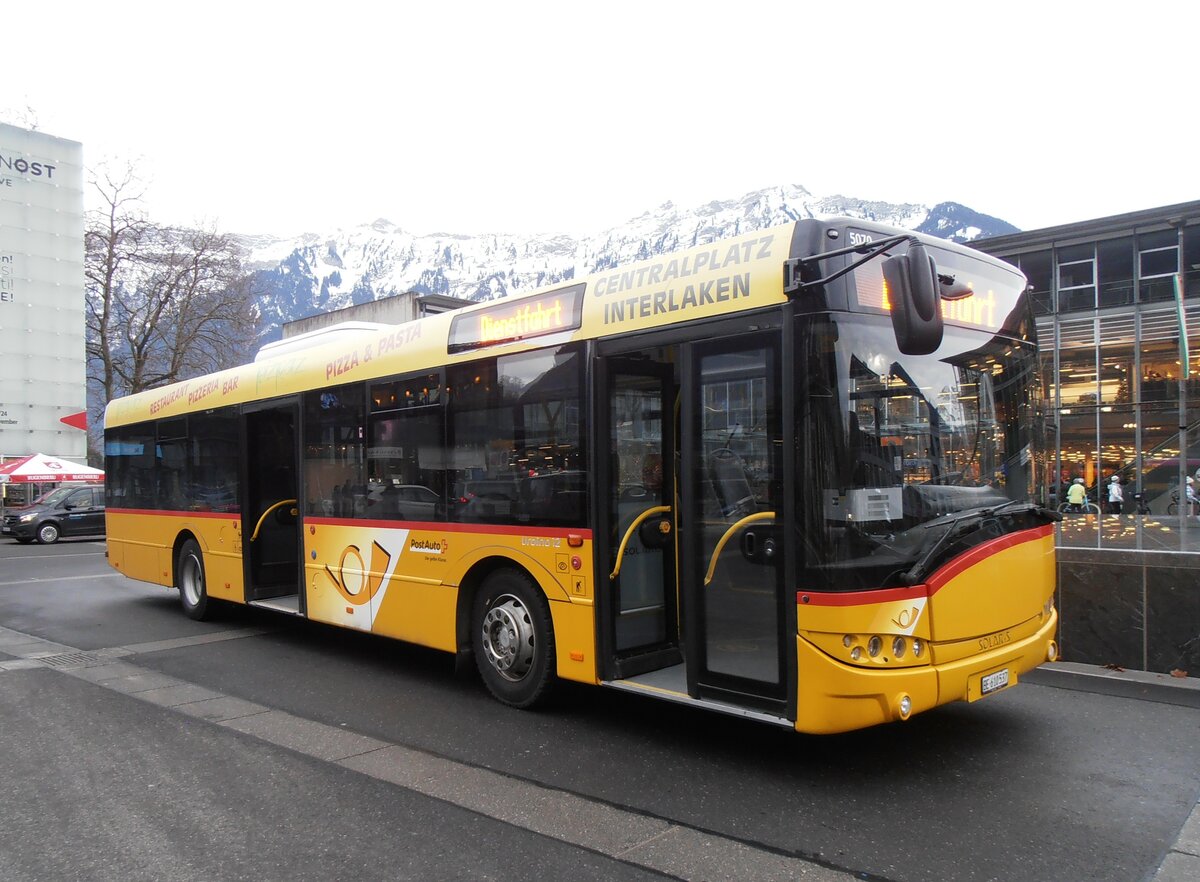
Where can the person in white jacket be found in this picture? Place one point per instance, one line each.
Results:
(1115, 495)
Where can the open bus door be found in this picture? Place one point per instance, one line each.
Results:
(691, 597)
(270, 510)
(639, 615)
(731, 537)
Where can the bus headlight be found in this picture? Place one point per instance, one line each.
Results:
(871, 650)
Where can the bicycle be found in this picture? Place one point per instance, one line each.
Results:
(1173, 505)
(1083, 508)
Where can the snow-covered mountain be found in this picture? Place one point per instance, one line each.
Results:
(318, 273)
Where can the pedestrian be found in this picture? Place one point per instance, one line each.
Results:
(1076, 494)
(1115, 495)
(1191, 495)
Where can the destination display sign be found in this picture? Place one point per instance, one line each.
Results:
(518, 319)
(995, 290)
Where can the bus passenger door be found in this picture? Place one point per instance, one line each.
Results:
(639, 606)
(270, 522)
(732, 547)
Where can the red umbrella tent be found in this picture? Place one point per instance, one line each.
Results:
(41, 469)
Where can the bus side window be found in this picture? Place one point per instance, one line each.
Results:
(554, 499)
(514, 432)
(406, 463)
(334, 480)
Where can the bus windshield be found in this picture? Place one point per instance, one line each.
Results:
(898, 452)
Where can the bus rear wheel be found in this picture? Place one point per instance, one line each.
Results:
(189, 573)
(513, 639)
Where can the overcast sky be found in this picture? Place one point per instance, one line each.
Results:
(473, 117)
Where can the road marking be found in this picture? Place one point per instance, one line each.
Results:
(44, 557)
(32, 581)
(631, 837)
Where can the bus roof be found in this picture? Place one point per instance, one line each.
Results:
(716, 278)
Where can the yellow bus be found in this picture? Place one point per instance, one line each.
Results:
(789, 475)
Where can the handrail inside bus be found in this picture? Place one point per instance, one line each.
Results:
(637, 522)
(733, 528)
(281, 502)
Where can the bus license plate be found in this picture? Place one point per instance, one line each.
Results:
(991, 682)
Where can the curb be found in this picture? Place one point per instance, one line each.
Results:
(1142, 685)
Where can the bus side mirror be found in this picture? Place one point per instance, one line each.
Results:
(914, 293)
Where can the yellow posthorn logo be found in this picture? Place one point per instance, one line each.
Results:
(356, 583)
(907, 618)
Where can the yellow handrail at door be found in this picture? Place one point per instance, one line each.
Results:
(258, 526)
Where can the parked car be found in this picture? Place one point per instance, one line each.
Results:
(485, 499)
(408, 502)
(66, 511)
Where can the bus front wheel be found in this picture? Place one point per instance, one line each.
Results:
(193, 596)
(513, 639)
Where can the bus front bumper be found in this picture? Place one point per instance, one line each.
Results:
(836, 697)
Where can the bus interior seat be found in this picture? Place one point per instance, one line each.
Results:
(727, 474)
(558, 497)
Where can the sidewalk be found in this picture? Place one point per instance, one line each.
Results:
(1144, 685)
(1182, 861)
(169, 780)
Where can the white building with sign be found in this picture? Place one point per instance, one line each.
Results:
(42, 372)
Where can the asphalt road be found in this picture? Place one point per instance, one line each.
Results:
(146, 745)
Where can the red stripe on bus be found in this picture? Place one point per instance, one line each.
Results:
(453, 527)
(858, 598)
(954, 568)
(504, 530)
(158, 512)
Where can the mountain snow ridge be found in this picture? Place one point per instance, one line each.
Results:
(316, 273)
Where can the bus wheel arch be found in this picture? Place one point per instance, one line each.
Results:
(510, 631)
(476, 573)
(190, 577)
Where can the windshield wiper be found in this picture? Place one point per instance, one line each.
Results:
(961, 523)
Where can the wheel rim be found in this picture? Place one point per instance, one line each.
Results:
(191, 580)
(508, 637)
(48, 533)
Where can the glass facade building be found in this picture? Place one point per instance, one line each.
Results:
(1107, 295)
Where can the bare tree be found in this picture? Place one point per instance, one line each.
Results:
(163, 303)
(113, 240)
(187, 310)
(23, 117)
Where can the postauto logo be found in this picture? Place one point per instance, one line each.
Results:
(429, 546)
